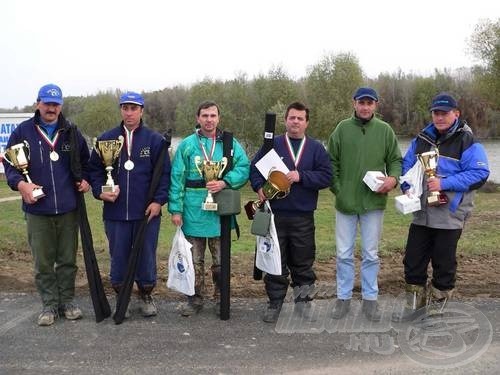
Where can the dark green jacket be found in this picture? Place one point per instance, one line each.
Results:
(356, 148)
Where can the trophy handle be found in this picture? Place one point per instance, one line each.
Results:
(223, 164)
(198, 163)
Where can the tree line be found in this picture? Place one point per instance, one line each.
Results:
(326, 88)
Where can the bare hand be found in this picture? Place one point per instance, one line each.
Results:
(261, 195)
(110, 196)
(389, 184)
(82, 186)
(434, 184)
(293, 176)
(26, 190)
(177, 220)
(215, 186)
(153, 210)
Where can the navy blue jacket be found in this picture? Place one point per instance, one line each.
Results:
(134, 185)
(315, 172)
(54, 176)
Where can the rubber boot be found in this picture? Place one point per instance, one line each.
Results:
(415, 302)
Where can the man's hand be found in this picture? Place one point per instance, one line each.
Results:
(82, 186)
(110, 196)
(389, 184)
(215, 186)
(261, 195)
(293, 176)
(26, 190)
(434, 184)
(153, 210)
(177, 220)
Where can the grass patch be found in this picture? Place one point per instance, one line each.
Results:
(481, 235)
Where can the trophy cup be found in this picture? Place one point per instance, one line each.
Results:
(18, 156)
(277, 186)
(429, 163)
(210, 171)
(109, 151)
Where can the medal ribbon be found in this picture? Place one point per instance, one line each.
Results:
(295, 156)
(212, 149)
(51, 142)
(129, 137)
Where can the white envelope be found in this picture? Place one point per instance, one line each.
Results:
(271, 160)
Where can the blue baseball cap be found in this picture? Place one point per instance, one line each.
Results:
(443, 102)
(365, 92)
(50, 94)
(131, 97)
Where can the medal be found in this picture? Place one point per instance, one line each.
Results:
(129, 165)
(54, 156)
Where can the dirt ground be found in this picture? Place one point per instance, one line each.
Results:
(478, 276)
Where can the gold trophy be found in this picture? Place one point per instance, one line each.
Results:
(109, 151)
(429, 162)
(277, 186)
(210, 171)
(18, 156)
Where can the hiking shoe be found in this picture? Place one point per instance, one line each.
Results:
(305, 309)
(148, 306)
(371, 311)
(342, 307)
(272, 313)
(47, 316)
(191, 308)
(70, 311)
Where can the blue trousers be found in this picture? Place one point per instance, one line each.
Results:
(121, 235)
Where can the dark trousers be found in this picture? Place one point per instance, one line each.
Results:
(121, 236)
(438, 246)
(298, 251)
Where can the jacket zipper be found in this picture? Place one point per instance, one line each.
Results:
(53, 185)
(128, 190)
(41, 151)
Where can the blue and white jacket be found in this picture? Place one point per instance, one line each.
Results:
(55, 177)
(462, 166)
(134, 184)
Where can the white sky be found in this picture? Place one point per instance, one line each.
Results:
(91, 45)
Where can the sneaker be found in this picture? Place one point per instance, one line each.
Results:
(371, 311)
(70, 311)
(191, 308)
(342, 307)
(148, 306)
(305, 309)
(272, 313)
(47, 316)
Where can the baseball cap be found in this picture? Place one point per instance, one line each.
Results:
(365, 92)
(50, 93)
(131, 97)
(443, 102)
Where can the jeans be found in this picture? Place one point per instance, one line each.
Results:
(346, 229)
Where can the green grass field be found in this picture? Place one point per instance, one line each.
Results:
(481, 235)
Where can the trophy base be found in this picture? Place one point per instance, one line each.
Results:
(438, 199)
(38, 193)
(209, 206)
(107, 189)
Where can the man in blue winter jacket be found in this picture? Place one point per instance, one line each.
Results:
(125, 207)
(52, 220)
(462, 167)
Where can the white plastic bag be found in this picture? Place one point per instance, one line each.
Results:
(414, 178)
(268, 257)
(180, 265)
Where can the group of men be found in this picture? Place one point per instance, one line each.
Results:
(358, 144)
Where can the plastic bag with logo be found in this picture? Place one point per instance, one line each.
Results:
(180, 265)
(268, 257)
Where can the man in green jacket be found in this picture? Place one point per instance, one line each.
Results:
(360, 144)
(188, 191)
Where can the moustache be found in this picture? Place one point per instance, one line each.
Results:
(50, 113)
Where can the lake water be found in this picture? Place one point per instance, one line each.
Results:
(492, 150)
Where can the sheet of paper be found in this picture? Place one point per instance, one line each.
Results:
(271, 160)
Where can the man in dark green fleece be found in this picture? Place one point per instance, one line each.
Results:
(360, 144)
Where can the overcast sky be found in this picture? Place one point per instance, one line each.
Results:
(92, 45)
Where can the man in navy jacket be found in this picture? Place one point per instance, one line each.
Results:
(310, 171)
(125, 207)
(52, 220)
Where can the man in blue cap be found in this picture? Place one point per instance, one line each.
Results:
(462, 167)
(123, 207)
(360, 144)
(50, 202)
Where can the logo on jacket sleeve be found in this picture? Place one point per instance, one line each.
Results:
(145, 152)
